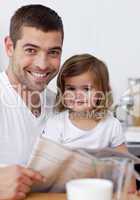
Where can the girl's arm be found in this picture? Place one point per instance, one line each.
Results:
(121, 148)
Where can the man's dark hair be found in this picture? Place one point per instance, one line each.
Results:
(37, 16)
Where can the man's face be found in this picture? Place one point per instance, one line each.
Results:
(35, 60)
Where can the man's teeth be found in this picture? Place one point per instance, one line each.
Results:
(38, 75)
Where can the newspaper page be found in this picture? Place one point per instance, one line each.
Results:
(60, 164)
(109, 152)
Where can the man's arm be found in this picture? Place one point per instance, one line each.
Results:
(16, 181)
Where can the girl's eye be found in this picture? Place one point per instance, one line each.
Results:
(86, 89)
(70, 88)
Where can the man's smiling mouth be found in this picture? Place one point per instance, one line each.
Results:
(39, 75)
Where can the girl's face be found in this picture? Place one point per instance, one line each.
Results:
(79, 92)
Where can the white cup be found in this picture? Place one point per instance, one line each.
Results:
(89, 189)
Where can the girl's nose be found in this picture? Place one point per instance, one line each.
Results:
(79, 94)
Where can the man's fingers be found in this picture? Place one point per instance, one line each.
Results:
(19, 196)
(26, 180)
(36, 176)
(23, 188)
(16, 181)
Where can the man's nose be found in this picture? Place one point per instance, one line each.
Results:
(42, 62)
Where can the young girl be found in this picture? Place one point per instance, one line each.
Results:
(83, 101)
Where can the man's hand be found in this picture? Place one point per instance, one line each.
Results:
(16, 181)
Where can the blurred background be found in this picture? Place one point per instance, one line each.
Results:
(106, 28)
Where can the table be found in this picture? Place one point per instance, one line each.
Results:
(60, 196)
(47, 196)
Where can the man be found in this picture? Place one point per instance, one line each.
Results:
(34, 49)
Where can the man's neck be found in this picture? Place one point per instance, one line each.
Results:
(30, 98)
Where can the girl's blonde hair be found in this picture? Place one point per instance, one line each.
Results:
(80, 64)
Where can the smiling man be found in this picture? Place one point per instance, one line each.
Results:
(34, 49)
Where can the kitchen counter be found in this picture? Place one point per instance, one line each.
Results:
(133, 140)
(61, 196)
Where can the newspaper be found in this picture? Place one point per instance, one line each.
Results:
(60, 164)
(109, 152)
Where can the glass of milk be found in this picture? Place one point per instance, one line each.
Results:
(89, 188)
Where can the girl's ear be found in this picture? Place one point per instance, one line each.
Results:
(9, 47)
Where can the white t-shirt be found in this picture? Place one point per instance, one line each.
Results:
(19, 128)
(107, 133)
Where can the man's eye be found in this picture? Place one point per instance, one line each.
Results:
(54, 53)
(30, 51)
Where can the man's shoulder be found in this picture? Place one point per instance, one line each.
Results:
(2, 75)
(3, 79)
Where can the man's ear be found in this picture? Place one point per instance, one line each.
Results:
(9, 46)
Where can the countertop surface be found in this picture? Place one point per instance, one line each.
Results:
(133, 134)
(61, 196)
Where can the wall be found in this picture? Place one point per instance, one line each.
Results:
(107, 28)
